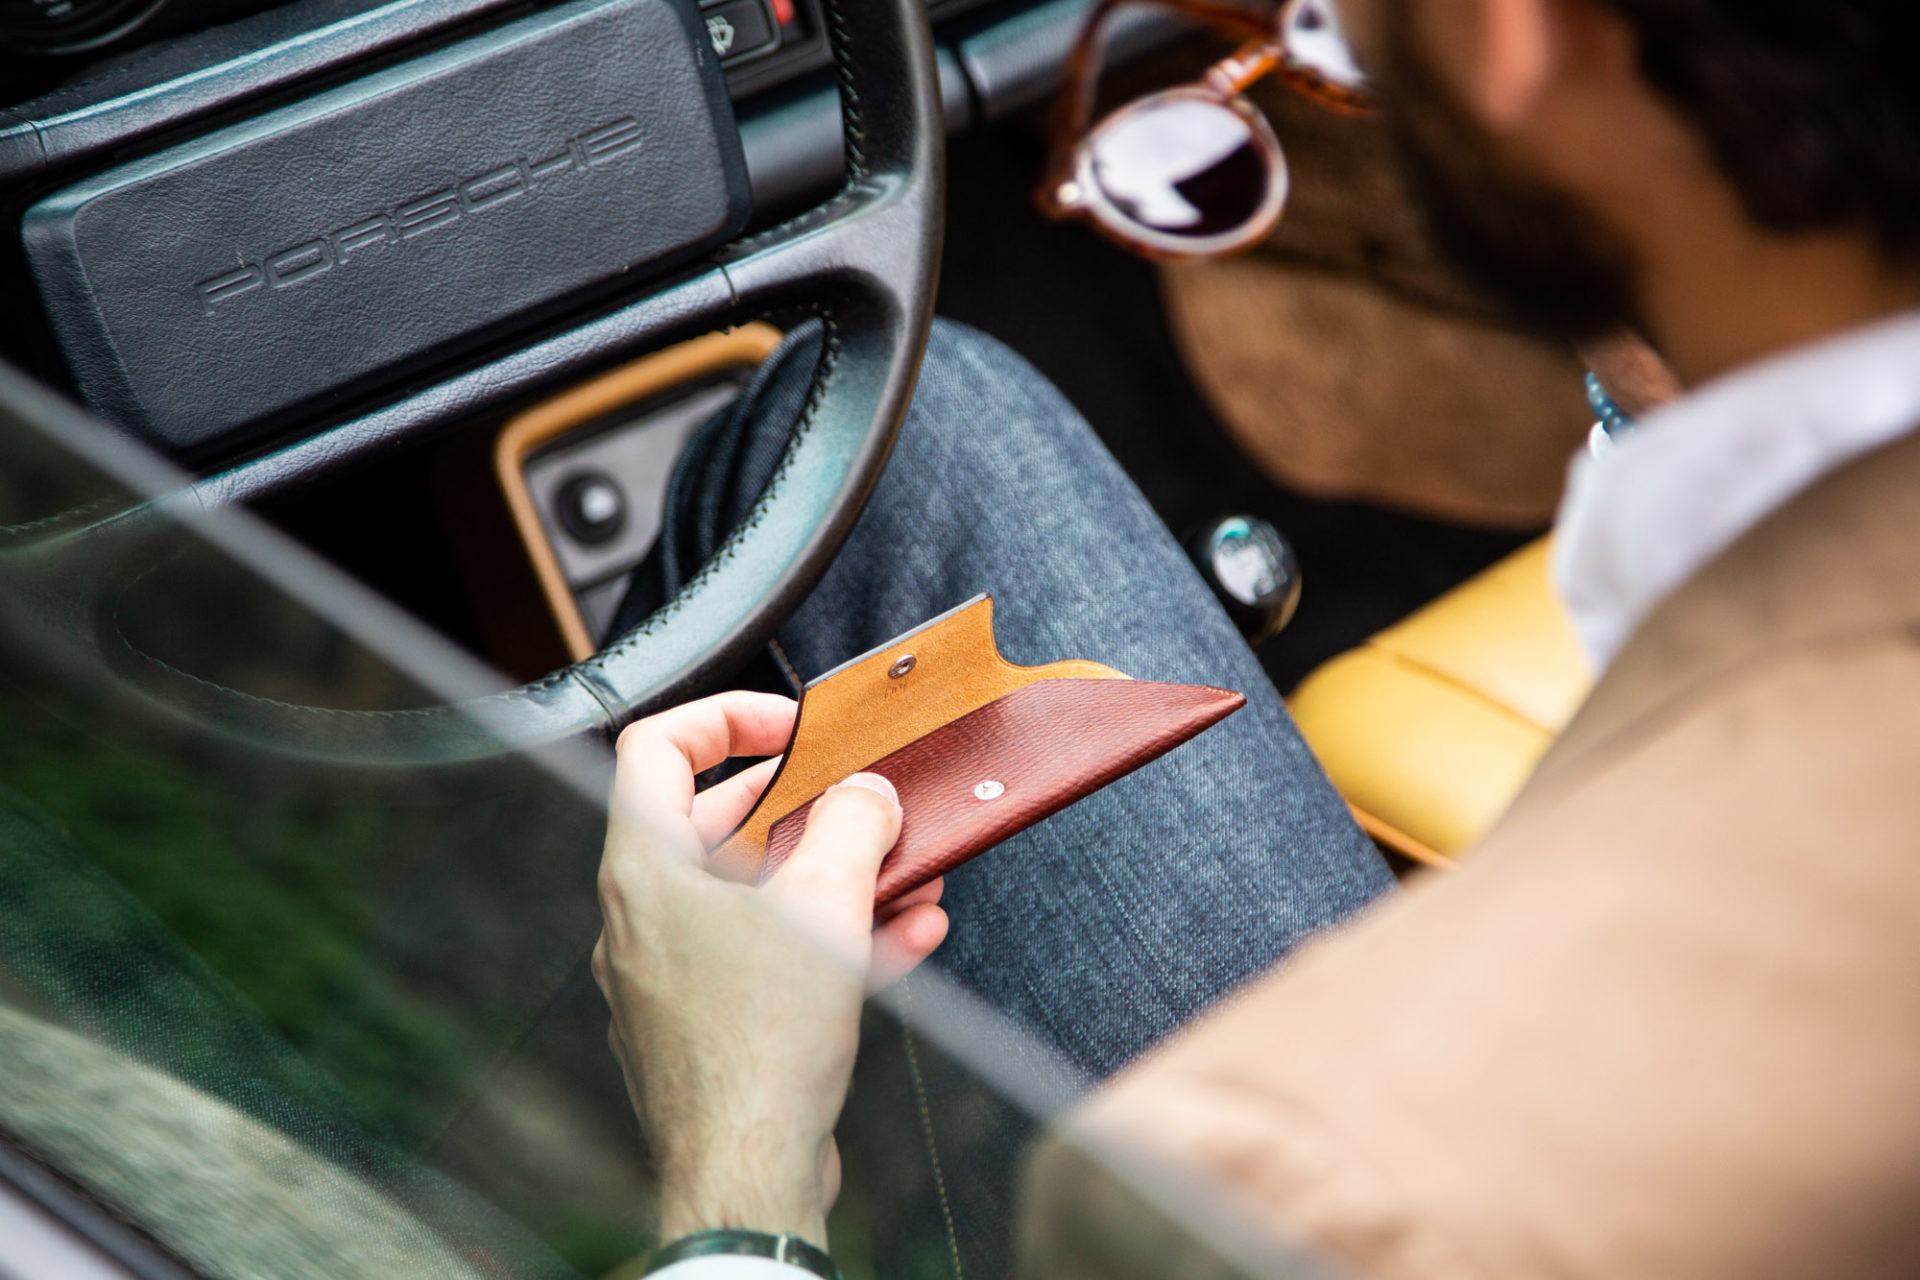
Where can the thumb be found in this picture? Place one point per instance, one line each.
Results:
(830, 875)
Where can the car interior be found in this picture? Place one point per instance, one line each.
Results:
(350, 348)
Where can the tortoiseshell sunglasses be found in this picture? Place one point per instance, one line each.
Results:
(1194, 172)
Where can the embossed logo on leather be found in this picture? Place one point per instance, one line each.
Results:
(517, 178)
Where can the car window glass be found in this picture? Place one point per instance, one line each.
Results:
(292, 1013)
(42, 482)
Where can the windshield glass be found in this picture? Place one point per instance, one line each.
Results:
(292, 1008)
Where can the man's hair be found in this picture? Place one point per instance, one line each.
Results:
(1810, 107)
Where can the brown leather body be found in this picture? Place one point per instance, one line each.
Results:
(938, 709)
(970, 784)
(1665, 1021)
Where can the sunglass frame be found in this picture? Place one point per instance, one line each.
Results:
(1066, 189)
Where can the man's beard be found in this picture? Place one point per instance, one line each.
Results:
(1531, 249)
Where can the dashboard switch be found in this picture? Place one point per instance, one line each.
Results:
(740, 29)
(591, 507)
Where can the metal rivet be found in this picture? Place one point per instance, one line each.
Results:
(901, 666)
(990, 790)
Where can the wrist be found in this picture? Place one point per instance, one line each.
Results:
(747, 1193)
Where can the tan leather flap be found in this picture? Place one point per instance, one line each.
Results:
(862, 712)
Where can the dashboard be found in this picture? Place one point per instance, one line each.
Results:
(281, 143)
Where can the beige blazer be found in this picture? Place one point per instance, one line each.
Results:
(1664, 1022)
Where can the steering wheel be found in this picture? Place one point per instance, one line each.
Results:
(865, 262)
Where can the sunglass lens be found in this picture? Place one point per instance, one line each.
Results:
(1189, 168)
(1316, 44)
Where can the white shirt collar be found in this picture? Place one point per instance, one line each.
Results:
(1642, 517)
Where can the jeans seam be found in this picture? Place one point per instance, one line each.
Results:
(787, 670)
(920, 1103)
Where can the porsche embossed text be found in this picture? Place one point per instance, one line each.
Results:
(512, 180)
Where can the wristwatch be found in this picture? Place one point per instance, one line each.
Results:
(789, 1249)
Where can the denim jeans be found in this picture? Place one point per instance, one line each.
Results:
(1107, 926)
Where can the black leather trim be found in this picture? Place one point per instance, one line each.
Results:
(178, 80)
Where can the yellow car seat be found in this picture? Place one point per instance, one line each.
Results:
(1430, 727)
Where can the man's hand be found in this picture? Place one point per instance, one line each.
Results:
(736, 1010)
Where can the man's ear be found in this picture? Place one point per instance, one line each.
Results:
(1509, 55)
(1514, 47)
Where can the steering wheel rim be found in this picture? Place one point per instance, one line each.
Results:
(864, 262)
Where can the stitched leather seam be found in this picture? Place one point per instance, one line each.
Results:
(829, 360)
(414, 714)
(609, 715)
(857, 167)
(822, 213)
(852, 113)
(850, 106)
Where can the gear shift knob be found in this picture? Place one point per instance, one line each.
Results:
(1252, 570)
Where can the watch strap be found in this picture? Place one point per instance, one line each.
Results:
(790, 1249)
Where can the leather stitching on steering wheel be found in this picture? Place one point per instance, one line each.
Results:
(829, 357)
(851, 113)
(850, 106)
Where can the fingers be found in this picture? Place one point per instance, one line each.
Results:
(903, 942)
(928, 892)
(828, 881)
(722, 807)
(659, 756)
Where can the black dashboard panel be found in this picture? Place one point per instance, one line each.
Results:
(52, 27)
(168, 96)
(265, 267)
(98, 106)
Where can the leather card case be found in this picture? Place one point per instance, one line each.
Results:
(977, 747)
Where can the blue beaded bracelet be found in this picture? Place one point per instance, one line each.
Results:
(1613, 420)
